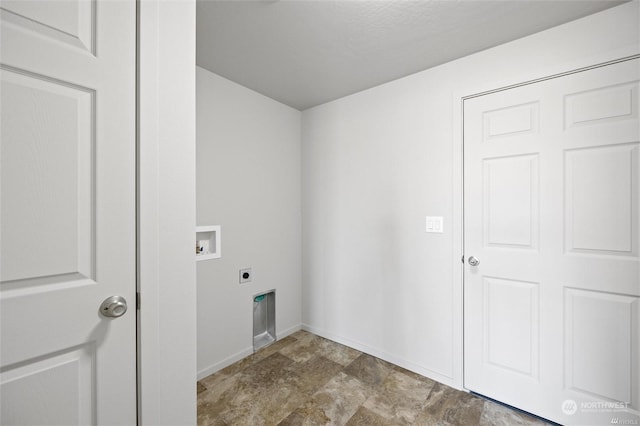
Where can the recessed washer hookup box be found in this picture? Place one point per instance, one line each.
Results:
(264, 319)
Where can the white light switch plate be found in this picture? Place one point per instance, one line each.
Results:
(434, 224)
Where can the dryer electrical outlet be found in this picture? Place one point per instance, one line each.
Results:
(245, 275)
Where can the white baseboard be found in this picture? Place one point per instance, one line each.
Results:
(207, 371)
(434, 375)
(288, 331)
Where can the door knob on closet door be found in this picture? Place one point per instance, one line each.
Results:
(473, 261)
(113, 307)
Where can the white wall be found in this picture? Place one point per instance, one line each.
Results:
(166, 270)
(248, 181)
(374, 164)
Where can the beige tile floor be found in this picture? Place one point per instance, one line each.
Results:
(304, 379)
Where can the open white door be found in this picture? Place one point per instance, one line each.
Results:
(552, 197)
(67, 212)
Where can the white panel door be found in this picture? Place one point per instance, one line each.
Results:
(552, 194)
(67, 212)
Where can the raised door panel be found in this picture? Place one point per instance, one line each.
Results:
(601, 204)
(510, 202)
(511, 325)
(601, 105)
(47, 209)
(511, 121)
(601, 336)
(69, 22)
(55, 389)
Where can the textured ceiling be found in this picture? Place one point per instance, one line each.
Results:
(304, 53)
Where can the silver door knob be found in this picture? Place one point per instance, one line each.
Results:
(113, 307)
(474, 261)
